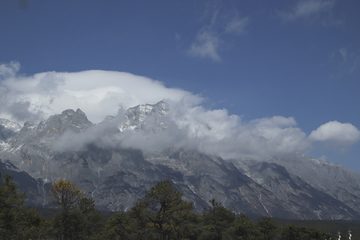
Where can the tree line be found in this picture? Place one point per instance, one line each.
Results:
(161, 214)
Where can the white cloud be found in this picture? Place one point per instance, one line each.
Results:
(206, 45)
(97, 93)
(209, 131)
(101, 93)
(215, 132)
(307, 8)
(336, 132)
(283, 132)
(9, 70)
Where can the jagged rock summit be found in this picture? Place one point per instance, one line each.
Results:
(68, 146)
(8, 129)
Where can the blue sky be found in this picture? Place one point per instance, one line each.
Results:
(298, 59)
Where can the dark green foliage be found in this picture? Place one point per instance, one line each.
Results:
(292, 232)
(81, 222)
(92, 220)
(67, 224)
(16, 221)
(77, 217)
(331, 227)
(268, 228)
(167, 212)
(243, 228)
(162, 214)
(131, 225)
(11, 202)
(119, 226)
(216, 220)
(299, 233)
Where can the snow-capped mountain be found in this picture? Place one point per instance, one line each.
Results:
(96, 158)
(8, 129)
(139, 117)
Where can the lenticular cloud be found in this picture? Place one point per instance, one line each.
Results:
(97, 93)
(101, 93)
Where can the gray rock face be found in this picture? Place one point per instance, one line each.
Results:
(295, 194)
(117, 177)
(8, 129)
(267, 189)
(335, 180)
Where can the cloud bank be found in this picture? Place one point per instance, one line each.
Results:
(189, 125)
(97, 93)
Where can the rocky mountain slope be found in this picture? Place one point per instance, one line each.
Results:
(93, 156)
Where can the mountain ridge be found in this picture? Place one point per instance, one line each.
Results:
(68, 146)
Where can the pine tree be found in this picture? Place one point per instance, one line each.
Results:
(216, 220)
(168, 213)
(67, 222)
(16, 221)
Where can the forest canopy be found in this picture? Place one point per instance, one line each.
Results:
(161, 214)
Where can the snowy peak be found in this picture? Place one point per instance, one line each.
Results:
(146, 116)
(8, 129)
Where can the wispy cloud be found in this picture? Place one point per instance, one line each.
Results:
(307, 9)
(346, 61)
(206, 45)
(237, 26)
(209, 40)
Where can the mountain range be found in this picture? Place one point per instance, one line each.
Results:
(100, 159)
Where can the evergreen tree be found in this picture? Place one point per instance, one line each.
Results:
(216, 221)
(16, 221)
(168, 213)
(292, 232)
(268, 228)
(91, 219)
(67, 222)
(162, 214)
(243, 228)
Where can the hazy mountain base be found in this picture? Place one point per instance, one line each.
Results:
(117, 177)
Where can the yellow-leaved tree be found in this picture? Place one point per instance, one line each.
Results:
(67, 222)
(66, 194)
(77, 217)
